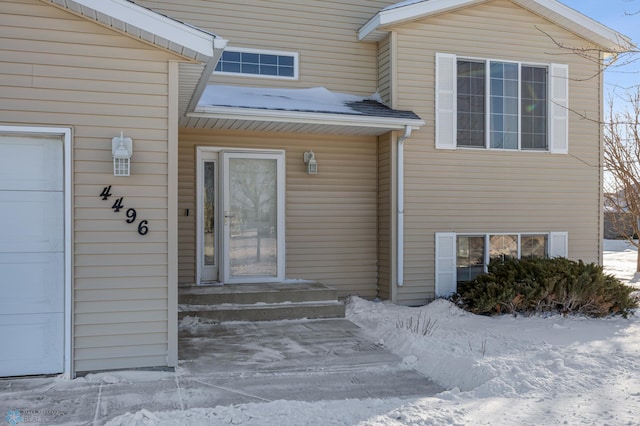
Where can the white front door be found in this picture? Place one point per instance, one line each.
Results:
(32, 255)
(241, 216)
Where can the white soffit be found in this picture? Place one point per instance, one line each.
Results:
(552, 10)
(294, 121)
(147, 25)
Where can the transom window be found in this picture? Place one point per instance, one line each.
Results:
(473, 252)
(263, 63)
(502, 105)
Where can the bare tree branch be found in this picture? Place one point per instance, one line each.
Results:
(622, 162)
(621, 134)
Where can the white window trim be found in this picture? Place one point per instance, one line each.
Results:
(296, 63)
(557, 107)
(557, 246)
(486, 236)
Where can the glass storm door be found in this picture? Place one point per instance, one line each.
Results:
(253, 217)
(208, 217)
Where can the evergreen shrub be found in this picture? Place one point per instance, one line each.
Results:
(546, 285)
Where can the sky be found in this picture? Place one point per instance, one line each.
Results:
(617, 15)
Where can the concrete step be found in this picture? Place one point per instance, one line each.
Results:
(248, 294)
(260, 302)
(264, 311)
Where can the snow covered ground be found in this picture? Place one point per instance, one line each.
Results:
(500, 371)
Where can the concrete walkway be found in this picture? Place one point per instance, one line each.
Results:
(228, 363)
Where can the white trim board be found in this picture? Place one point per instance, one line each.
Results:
(376, 28)
(138, 21)
(249, 114)
(172, 215)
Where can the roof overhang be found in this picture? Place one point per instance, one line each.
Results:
(250, 119)
(296, 110)
(610, 40)
(200, 48)
(147, 25)
(374, 29)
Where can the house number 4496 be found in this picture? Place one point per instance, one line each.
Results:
(131, 213)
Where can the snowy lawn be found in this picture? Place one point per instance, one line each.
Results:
(500, 370)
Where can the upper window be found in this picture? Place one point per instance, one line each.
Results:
(501, 105)
(259, 63)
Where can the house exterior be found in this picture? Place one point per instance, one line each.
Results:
(387, 150)
(619, 222)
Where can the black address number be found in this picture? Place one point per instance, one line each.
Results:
(131, 213)
(143, 228)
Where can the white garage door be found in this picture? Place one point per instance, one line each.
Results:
(31, 255)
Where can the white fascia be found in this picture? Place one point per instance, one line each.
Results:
(370, 26)
(409, 12)
(248, 114)
(618, 40)
(589, 27)
(147, 20)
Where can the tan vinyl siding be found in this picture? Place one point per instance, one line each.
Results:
(57, 69)
(323, 33)
(385, 216)
(494, 191)
(384, 70)
(331, 217)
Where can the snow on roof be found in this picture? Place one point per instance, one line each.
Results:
(316, 99)
(314, 110)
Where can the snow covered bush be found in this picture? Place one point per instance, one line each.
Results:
(546, 285)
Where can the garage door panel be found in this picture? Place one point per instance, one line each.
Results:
(31, 163)
(31, 283)
(31, 344)
(32, 256)
(32, 221)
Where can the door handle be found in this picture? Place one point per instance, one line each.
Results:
(227, 216)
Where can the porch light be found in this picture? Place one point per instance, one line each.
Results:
(312, 164)
(122, 150)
